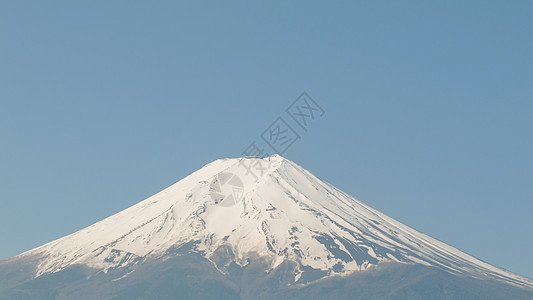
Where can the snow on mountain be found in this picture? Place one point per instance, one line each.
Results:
(281, 213)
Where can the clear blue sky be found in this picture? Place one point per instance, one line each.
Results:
(428, 108)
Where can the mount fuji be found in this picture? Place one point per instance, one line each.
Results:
(253, 228)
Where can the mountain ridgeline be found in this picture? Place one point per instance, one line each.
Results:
(252, 228)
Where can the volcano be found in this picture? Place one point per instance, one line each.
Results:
(253, 228)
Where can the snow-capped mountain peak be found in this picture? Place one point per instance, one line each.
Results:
(251, 208)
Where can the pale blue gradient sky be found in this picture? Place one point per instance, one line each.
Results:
(428, 108)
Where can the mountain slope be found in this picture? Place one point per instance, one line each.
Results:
(280, 217)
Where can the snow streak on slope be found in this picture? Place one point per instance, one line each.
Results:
(286, 214)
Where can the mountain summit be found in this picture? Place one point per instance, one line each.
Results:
(250, 224)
